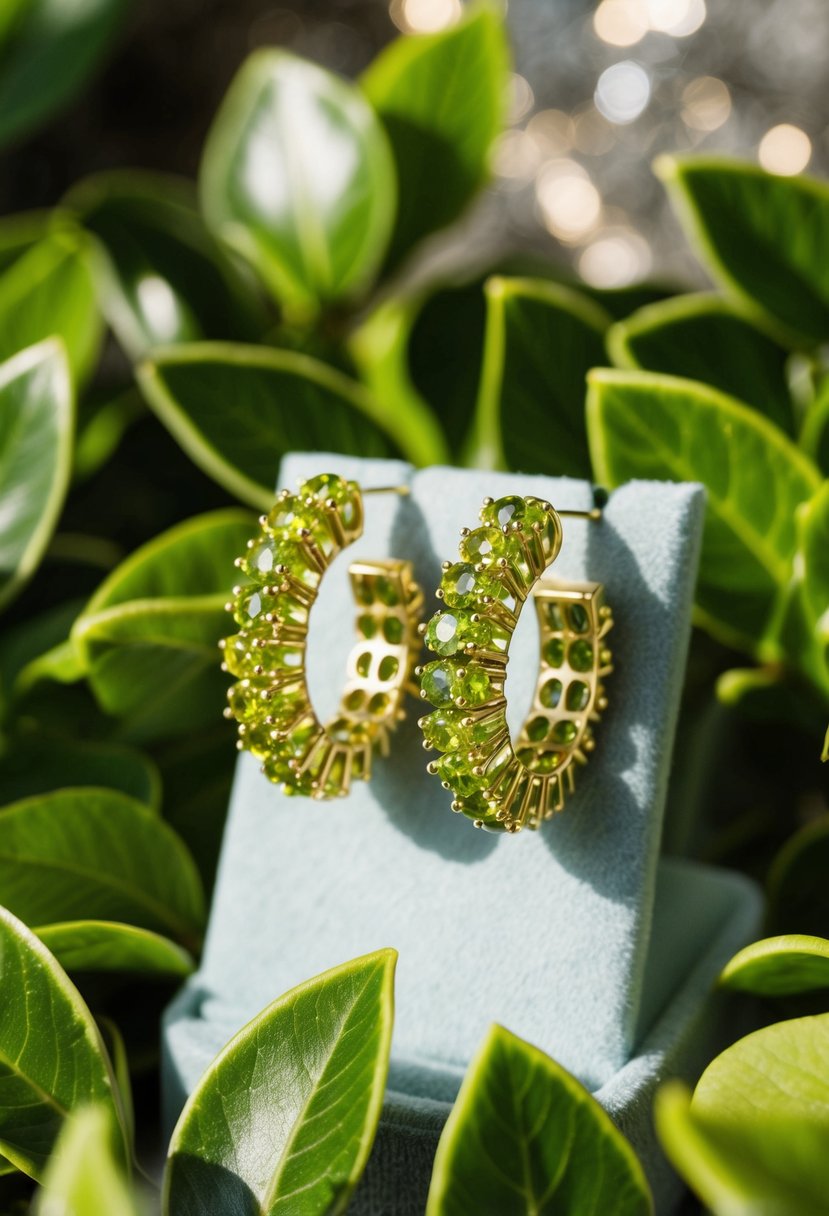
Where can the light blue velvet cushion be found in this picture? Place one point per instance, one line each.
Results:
(548, 932)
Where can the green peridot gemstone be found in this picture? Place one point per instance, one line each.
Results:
(538, 514)
(554, 652)
(259, 561)
(239, 659)
(278, 657)
(480, 733)
(503, 511)
(251, 605)
(580, 655)
(290, 516)
(456, 771)
(578, 694)
(463, 586)
(550, 694)
(537, 729)
(346, 494)
(294, 557)
(484, 545)
(386, 592)
(443, 730)
(437, 683)
(393, 630)
(250, 700)
(293, 747)
(578, 618)
(448, 632)
(564, 731)
(472, 684)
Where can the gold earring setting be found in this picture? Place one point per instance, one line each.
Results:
(499, 786)
(283, 568)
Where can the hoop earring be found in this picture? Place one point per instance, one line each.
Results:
(284, 566)
(499, 786)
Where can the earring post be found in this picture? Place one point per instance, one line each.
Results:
(403, 491)
(594, 513)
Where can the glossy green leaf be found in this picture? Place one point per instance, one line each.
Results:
(824, 755)
(50, 291)
(37, 762)
(84, 1177)
(52, 1058)
(778, 966)
(758, 1124)
(445, 352)
(765, 237)
(541, 340)
(28, 639)
(148, 637)
(55, 46)
(20, 232)
(10, 15)
(298, 178)
(164, 278)
(797, 888)
(814, 437)
(285, 1117)
(101, 427)
(35, 442)
(236, 410)
(442, 99)
(814, 533)
(651, 426)
(103, 945)
(96, 854)
(526, 1139)
(704, 337)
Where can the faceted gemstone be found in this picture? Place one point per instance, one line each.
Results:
(259, 561)
(476, 806)
(480, 733)
(580, 655)
(287, 706)
(463, 585)
(250, 700)
(251, 605)
(437, 682)
(367, 624)
(448, 632)
(442, 730)
(290, 516)
(346, 495)
(293, 747)
(393, 630)
(346, 730)
(537, 729)
(554, 652)
(294, 557)
(554, 616)
(578, 694)
(579, 620)
(538, 515)
(387, 592)
(483, 545)
(472, 683)
(389, 667)
(277, 657)
(550, 694)
(545, 762)
(504, 511)
(456, 771)
(238, 657)
(259, 739)
(565, 731)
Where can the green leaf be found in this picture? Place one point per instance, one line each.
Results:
(778, 966)
(164, 278)
(101, 945)
(445, 352)
(797, 890)
(814, 437)
(541, 340)
(36, 408)
(524, 1137)
(96, 854)
(703, 337)
(644, 425)
(20, 232)
(101, 427)
(50, 291)
(378, 347)
(54, 48)
(236, 410)
(298, 178)
(52, 1058)
(10, 15)
(84, 1177)
(442, 100)
(824, 755)
(285, 1117)
(814, 546)
(148, 637)
(37, 762)
(754, 1138)
(765, 237)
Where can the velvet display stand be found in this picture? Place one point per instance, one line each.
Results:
(576, 937)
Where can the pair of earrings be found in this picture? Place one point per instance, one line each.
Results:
(500, 785)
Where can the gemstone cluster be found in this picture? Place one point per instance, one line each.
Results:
(503, 786)
(282, 570)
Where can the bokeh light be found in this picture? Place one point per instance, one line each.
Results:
(616, 258)
(785, 149)
(424, 16)
(680, 18)
(569, 204)
(706, 103)
(621, 22)
(623, 92)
